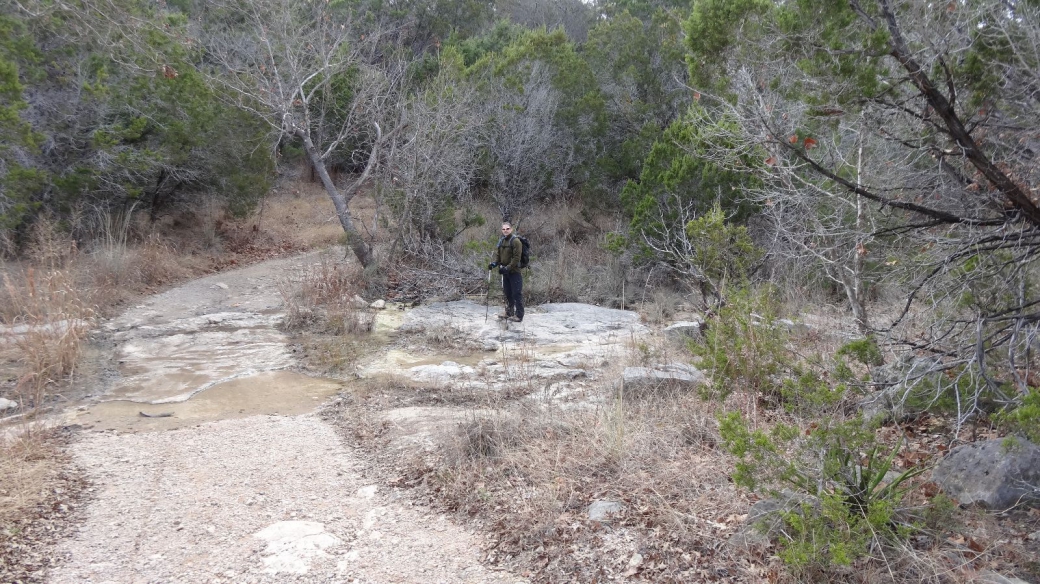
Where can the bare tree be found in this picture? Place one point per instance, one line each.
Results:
(433, 162)
(904, 155)
(311, 72)
(530, 155)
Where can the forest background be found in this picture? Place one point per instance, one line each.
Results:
(747, 157)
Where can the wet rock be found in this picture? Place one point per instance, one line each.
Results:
(604, 510)
(669, 377)
(995, 474)
(378, 304)
(685, 329)
(6, 404)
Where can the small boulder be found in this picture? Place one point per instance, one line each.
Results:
(765, 521)
(378, 304)
(685, 329)
(991, 577)
(995, 474)
(669, 377)
(6, 404)
(358, 302)
(603, 510)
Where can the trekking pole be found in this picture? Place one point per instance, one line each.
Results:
(487, 299)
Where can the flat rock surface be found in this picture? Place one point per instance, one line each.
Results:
(563, 348)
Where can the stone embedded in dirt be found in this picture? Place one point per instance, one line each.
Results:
(669, 377)
(995, 474)
(991, 577)
(684, 329)
(765, 520)
(908, 380)
(603, 510)
(292, 545)
(221, 285)
(6, 404)
(378, 304)
(443, 373)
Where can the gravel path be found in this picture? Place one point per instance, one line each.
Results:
(262, 498)
(187, 506)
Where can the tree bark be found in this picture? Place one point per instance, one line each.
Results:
(354, 240)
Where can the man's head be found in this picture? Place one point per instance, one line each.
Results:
(507, 229)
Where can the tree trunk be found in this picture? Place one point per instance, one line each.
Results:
(361, 249)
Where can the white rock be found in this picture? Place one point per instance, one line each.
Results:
(378, 304)
(291, 545)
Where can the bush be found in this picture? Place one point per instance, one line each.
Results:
(838, 466)
(745, 346)
(1025, 418)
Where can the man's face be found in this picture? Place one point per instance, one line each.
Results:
(506, 229)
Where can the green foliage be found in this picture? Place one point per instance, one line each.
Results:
(721, 250)
(865, 351)
(493, 42)
(676, 167)
(710, 32)
(1024, 418)
(124, 114)
(844, 472)
(745, 347)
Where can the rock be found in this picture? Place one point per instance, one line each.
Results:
(673, 376)
(685, 329)
(446, 372)
(991, 577)
(378, 304)
(795, 328)
(358, 302)
(995, 474)
(603, 510)
(292, 545)
(764, 521)
(6, 404)
(221, 285)
(907, 378)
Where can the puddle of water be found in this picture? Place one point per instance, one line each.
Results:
(388, 320)
(273, 392)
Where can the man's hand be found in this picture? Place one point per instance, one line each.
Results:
(492, 266)
(503, 270)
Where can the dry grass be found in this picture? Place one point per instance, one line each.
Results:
(531, 474)
(48, 318)
(328, 318)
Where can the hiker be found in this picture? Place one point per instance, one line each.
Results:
(507, 260)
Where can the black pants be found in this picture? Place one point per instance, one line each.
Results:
(513, 287)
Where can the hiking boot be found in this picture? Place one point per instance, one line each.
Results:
(504, 316)
(514, 319)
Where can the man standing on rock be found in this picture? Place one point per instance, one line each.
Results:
(507, 260)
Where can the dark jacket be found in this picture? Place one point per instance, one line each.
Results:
(509, 251)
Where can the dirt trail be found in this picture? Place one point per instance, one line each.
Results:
(243, 482)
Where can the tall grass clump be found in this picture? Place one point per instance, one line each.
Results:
(325, 312)
(47, 317)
